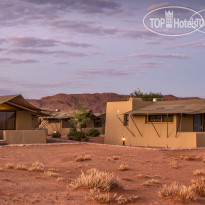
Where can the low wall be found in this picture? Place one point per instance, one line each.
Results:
(200, 139)
(183, 140)
(24, 136)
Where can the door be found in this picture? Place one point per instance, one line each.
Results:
(197, 123)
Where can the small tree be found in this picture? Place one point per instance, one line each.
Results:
(80, 116)
(146, 96)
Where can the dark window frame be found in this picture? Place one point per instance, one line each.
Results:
(9, 111)
(126, 119)
(159, 118)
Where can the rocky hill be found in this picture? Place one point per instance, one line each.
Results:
(96, 102)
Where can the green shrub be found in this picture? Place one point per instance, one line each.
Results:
(71, 133)
(56, 134)
(93, 133)
(79, 135)
(103, 130)
(75, 135)
(86, 139)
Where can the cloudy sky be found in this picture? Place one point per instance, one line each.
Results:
(88, 46)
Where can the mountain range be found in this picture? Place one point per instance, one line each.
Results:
(96, 102)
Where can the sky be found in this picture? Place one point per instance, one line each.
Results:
(94, 46)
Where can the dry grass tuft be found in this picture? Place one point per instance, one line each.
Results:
(178, 192)
(21, 167)
(116, 157)
(174, 164)
(94, 178)
(143, 176)
(10, 166)
(100, 197)
(82, 158)
(189, 158)
(198, 187)
(150, 182)
(199, 172)
(123, 167)
(61, 179)
(124, 200)
(51, 174)
(37, 167)
(53, 170)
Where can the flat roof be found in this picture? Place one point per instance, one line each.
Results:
(194, 106)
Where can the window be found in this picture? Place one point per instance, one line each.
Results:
(170, 118)
(97, 122)
(159, 118)
(126, 119)
(53, 120)
(7, 120)
(66, 123)
(154, 118)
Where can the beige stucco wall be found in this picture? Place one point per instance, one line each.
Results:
(115, 130)
(51, 127)
(24, 136)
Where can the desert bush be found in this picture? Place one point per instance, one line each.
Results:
(10, 166)
(100, 197)
(37, 166)
(21, 167)
(174, 164)
(150, 182)
(115, 157)
(82, 158)
(123, 167)
(56, 134)
(177, 192)
(198, 187)
(199, 172)
(93, 133)
(94, 178)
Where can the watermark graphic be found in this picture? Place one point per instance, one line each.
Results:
(175, 21)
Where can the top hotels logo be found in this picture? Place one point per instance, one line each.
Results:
(175, 21)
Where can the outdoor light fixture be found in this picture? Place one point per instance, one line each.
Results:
(54, 131)
(123, 141)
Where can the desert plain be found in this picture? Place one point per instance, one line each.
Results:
(146, 171)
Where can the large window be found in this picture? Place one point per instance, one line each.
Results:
(160, 118)
(7, 120)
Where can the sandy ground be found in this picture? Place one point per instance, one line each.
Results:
(24, 187)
